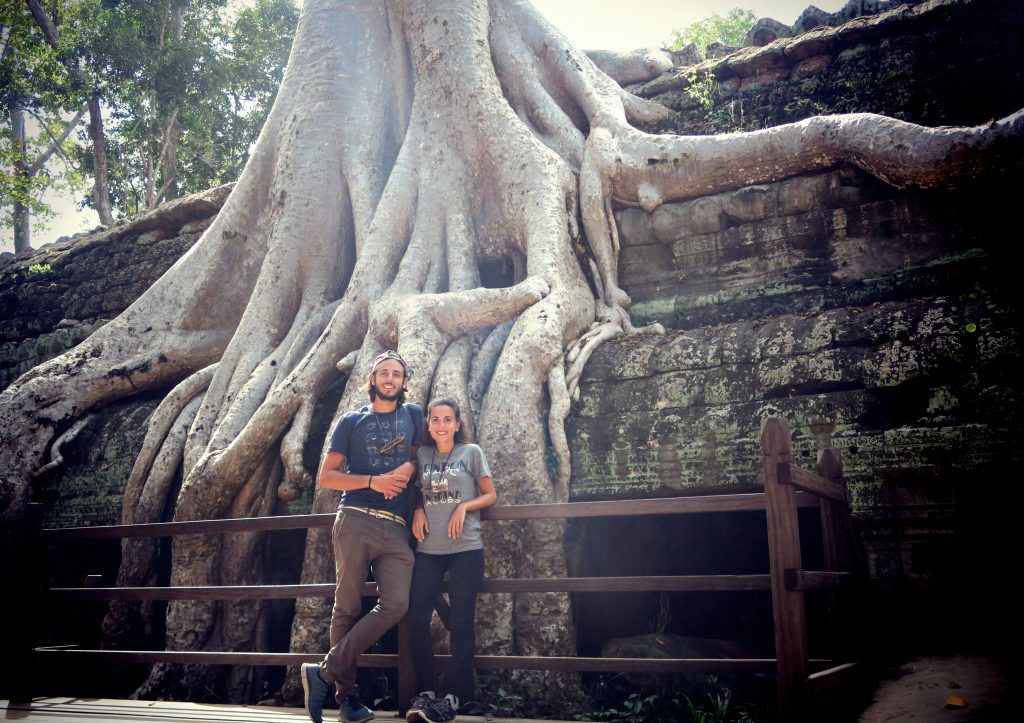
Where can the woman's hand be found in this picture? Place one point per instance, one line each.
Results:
(457, 521)
(420, 528)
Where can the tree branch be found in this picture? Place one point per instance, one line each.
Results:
(43, 20)
(164, 146)
(5, 34)
(55, 146)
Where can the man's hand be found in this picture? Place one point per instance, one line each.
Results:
(420, 528)
(390, 485)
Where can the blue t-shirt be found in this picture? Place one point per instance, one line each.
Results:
(376, 443)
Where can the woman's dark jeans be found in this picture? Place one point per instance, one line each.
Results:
(466, 572)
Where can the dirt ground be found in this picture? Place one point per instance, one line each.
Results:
(918, 690)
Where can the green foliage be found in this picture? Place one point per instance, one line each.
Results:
(39, 269)
(255, 51)
(730, 29)
(185, 87)
(701, 88)
(28, 190)
(716, 713)
(633, 709)
(38, 99)
(615, 700)
(187, 98)
(498, 702)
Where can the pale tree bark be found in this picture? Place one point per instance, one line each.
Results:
(5, 36)
(410, 142)
(22, 220)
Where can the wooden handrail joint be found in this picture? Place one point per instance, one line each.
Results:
(807, 481)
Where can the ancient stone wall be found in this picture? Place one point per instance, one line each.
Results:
(54, 298)
(952, 62)
(878, 321)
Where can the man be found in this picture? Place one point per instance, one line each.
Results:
(377, 445)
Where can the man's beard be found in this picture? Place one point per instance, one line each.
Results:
(387, 397)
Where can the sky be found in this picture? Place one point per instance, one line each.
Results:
(590, 24)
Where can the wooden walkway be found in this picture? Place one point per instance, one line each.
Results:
(77, 710)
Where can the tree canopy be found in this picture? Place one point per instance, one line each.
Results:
(41, 109)
(728, 29)
(181, 89)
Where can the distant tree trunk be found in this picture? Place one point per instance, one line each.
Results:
(100, 193)
(22, 175)
(168, 165)
(149, 192)
(174, 26)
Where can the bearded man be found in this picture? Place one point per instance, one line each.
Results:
(371, 458)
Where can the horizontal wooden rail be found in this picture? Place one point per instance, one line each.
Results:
(204, 592)
(747, 502)
(790, 474)
(665, 583)
(816, 579)
(390, 660)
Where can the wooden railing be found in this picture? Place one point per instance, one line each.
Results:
(786, 488)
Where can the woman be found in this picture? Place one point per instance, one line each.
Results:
(455, 484)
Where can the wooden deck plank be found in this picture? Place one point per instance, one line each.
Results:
(79, 710)
(104, 709)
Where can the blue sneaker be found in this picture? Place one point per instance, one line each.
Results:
(443, 710)
(417, 711)
(315, 689)
(353, 711)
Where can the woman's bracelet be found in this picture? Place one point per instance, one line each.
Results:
(369, 482)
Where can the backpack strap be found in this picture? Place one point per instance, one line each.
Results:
(415, 412)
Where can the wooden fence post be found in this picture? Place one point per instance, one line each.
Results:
(784, 554)
(406, 676)
(836, 546)
(25, 571)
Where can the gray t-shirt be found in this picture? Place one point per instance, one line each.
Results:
(446, 479)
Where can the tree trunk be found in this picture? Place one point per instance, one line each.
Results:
(168, 164)
(100, 186)
(22, 218)
(100, 195)
(168, 161)
(472, 132)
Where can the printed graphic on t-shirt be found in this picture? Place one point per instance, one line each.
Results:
(437, 480)
(383, 437)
